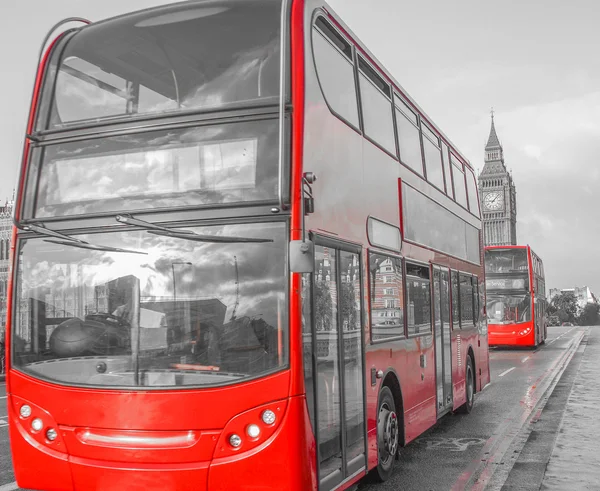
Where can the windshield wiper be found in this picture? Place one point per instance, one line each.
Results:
(129, 220)
(184, 234)
(93, 247)
(72, 241)
(41, 229)
(208, 238)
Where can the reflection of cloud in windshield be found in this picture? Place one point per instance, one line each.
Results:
(261, 268)
(240, 80)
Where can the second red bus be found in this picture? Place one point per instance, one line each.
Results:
(516, 296)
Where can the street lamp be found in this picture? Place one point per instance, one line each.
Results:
(173, 269)
(175, 309)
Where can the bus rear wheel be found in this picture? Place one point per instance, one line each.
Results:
(388, 435)
(467, 407)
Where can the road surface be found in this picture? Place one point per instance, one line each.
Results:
(477, 451)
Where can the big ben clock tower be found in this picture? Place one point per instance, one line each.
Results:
(498, 196)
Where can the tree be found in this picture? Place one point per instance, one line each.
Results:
(590, 316)
(323, 307)
(565, 306)
(348, 307)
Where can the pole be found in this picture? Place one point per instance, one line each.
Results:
(135, 325)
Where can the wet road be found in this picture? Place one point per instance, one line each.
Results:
(6, 473)
(475, 451)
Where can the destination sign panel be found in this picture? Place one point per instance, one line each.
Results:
(505, 283)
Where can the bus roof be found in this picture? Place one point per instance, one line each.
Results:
(390, 78)
(347, 32)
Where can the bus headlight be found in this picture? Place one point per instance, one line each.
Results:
(250, 429)
(268, 417)
(235, 440)
(51, 434)
(25, 411)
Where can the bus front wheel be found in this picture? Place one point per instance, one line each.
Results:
(467, 407)
(388, 435)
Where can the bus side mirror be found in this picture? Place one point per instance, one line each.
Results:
(302, 256)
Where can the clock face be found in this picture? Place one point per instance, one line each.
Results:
(493, 201)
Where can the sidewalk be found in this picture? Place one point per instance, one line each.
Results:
(575, 460)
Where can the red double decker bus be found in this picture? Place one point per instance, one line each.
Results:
(190, 307)
(516, 296)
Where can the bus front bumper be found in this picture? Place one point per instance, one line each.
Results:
(522, 334)
(106, 460)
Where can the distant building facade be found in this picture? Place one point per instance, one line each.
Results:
(498, 195)
(5, 236)
(583, 294)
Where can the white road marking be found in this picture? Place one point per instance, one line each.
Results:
(558, 337)
(3, 397)
(501, 375)
(452, 444)
(3, 423)
(525, 359)
(9, 487)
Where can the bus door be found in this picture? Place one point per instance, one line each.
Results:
(337, 372)
(443, 345)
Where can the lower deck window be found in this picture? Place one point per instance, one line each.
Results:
(386, 296)
(418, 299)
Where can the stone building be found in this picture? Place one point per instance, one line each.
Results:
(5, 236)
(498, 195)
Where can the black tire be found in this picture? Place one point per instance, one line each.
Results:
(388, 435)
(467, 407)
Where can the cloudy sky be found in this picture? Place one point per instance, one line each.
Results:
(537, 62)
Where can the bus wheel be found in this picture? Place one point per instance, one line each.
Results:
(467, 407)
(387, 435)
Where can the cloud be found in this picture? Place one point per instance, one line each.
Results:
(533, 151)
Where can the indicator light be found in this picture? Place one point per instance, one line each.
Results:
(37, 424)
(25, 411)
(235, 441)
(253, 431)
(51, 434)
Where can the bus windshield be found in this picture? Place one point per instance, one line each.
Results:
(147, 308)
(508, 309)
(506, 261)
(216, 164)
(188, 56)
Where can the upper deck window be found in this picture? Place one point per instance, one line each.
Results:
(473, 192)
(409, 143)
(376, 104)
(225, 164)
(433, 157)
(506, 261)
(335, 69)
(447, 172)
(182, 57)
(458, 178)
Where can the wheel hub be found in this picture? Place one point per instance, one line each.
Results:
(470, 385)
(388, 433)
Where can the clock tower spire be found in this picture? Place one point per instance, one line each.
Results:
(498, 195)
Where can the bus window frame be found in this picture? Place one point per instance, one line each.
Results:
(398, 107)
(391, 255)
(472, 296)
(321, 14)
(425, 130)
(375, 72)
(171, 122)
(431, 305)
